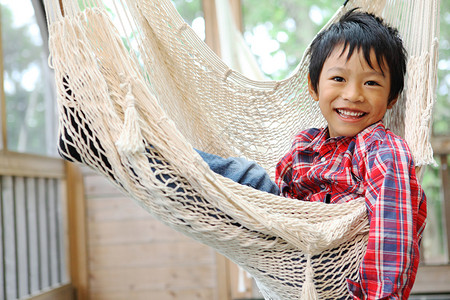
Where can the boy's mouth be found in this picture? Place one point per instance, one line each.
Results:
(350, 114)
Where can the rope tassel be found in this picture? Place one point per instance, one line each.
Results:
(130, 140)
(309, 291)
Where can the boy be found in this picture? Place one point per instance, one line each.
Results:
(356, 73)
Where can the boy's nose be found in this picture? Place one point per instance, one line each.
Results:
(353, 93)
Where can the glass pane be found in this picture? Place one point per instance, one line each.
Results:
(433, 245)
(278, 32)
(192, 13)
(441, 125)
(28, 81)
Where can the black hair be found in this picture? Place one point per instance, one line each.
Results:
(363, 31)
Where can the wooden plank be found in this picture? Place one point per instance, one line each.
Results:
(159, 278)
(43, 236)
(77, 237)
(115, 208)
(172, 294)
(432, 279)
(98, 186)
(52, 233)
(29, 165)
(133, 231)
(22, 237)
(64, 292)
(9, 234)
(150, 255)
(62, 226)
(32, 212)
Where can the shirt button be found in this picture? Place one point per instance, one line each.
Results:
(322, 159)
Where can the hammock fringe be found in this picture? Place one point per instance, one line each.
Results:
(130, 140)
(309, 291)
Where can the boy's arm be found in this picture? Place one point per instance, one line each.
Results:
(397, 211)
(241, 171)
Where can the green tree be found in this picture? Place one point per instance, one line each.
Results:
(189, 9)
(23, 56)
(291, 25)
(441, 125)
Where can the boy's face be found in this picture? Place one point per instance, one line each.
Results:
(351, 94)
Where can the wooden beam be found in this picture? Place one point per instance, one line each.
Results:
(432, 280)
(64, 292)
(440, 144)
(29, 165)
(77, 235)
(211, 28)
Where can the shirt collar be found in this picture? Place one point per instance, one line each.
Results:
(322, 138)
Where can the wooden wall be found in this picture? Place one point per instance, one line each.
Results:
(130, 255)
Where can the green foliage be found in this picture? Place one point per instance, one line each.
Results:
(189, 9)
(22, 55)
(290, 23)
(441, 125)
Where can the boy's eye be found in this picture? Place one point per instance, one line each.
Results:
(338, 79)
(372, 83)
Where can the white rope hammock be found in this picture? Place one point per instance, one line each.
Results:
(173, 93)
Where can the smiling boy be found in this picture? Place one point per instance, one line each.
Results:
(356, 74)
(352, 95)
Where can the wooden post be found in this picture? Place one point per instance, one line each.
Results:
(211, 28)
(236, 10)
(76, 216)
(445, 177)
(223, 277)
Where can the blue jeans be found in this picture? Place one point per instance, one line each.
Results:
(241, 171)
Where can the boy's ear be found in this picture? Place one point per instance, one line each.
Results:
(311, 90)
(393, 101)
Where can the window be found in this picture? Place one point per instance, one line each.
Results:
(27, 81)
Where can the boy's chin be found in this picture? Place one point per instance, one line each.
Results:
(345, 132)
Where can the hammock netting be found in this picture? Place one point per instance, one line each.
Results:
(133, 109)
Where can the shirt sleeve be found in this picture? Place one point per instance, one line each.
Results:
(397, 210)
(284, 174)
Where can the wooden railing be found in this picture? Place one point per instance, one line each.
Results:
(33, 239)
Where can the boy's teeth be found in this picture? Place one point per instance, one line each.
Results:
(350, 113)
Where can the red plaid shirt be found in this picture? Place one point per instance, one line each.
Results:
(377, 165)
